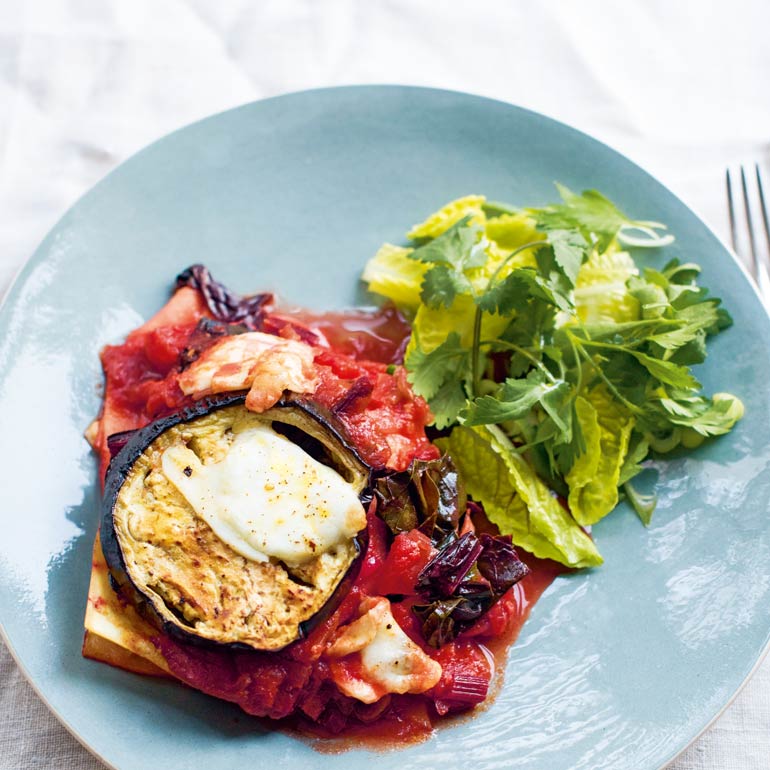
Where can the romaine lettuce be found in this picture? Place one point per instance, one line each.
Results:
(515, 498)
(452, 213)
(593, 479)
(392, 274)
(601, 293)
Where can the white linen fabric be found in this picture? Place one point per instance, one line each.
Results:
(680, 87)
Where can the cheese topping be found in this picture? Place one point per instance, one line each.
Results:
(388, 660)
(267, 497)
(264, 364)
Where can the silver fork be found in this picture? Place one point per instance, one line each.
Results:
(758, 266)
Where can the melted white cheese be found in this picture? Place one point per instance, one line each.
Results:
(395, 662)
(267, 497)
(390, 661)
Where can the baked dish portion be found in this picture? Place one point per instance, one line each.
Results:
(277, 528)
(313, 515)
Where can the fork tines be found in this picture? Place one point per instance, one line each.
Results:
(758, 265)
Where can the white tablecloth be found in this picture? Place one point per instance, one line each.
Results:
(681, 86)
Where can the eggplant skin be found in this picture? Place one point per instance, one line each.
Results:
(180, 576)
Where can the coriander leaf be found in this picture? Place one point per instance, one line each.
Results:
(428, 371)
(724, 321)
(517, 397)
(451, 254)
(568, 452)
(455, 247)
(626, 333)
(710, 417)
(570, 250)
(447, 402)
(666, 371)
(523, 284)
(510, 294)
(702, 315)
(441, 285)
(676, 338)
(590, 212)
(553, 285)
(685, 408)
(694, 299)
(557, 403)
(651, 297)
(685, 296)
(487, 410)
(694, 352)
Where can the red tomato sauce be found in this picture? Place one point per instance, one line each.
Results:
(380, 335)
(386, 422)
(409, 719)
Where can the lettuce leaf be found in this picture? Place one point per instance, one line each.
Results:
(533, 325)
(509, 231)
(391, 273)
(593, 478)
(440, 221)
(515, 499)
(601, 293)
(434, 325)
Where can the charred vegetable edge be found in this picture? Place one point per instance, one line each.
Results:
(131, 450)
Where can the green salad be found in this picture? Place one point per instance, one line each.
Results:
(553, 364)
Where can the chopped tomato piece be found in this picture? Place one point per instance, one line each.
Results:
(495, 621)
(410, 552)
(385, 420)
(466, 671)
(164, 345)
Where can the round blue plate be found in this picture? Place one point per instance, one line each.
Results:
(618, 668)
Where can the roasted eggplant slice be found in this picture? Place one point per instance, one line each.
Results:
(227, 527)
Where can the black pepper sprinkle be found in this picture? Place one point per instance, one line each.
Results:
(188, 471)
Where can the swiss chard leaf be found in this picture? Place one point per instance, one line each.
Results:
(465, 578)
